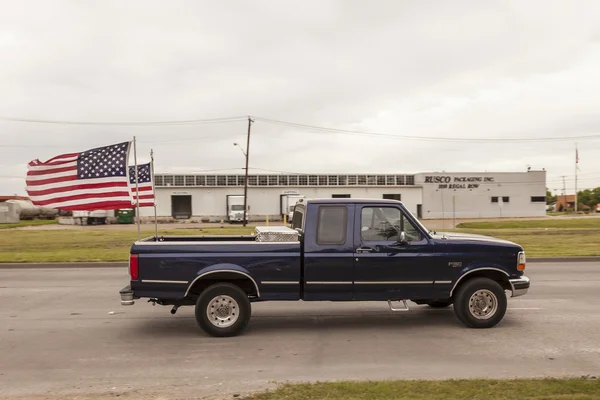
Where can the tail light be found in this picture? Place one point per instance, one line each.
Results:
(521, 261)
(133, 267)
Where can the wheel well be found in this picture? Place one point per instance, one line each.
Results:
(243, 282)
(494, 275)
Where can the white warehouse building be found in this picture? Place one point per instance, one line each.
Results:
(432, 195)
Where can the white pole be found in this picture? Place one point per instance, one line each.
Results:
(576, 162)
(443, 213)
(153, 193)
(453, 212)
(137, 195)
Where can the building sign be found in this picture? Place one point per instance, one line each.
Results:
(458, 182)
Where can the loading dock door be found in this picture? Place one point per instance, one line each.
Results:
(181, 207)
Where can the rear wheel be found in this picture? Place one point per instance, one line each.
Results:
(480, 303)
(223, 309)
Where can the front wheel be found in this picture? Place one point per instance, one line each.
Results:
(480, 303)
(223, 309)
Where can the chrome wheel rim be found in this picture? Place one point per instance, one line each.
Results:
(222, 311)
(483, 304)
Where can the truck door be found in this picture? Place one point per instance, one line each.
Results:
(329, 253)
(385, 269)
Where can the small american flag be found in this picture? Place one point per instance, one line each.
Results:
(95, 179)
(145, 185)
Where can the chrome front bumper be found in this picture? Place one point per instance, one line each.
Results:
(519, 286)
(127, 296)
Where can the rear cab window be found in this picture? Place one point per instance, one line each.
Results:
(332, 225)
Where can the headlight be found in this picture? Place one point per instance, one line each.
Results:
(521, 261)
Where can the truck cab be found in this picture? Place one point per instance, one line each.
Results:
(335, 250)
(235, 208)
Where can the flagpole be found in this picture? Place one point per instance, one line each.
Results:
(153, 193)
(137, 193)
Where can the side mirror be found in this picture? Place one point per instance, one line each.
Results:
(402, 238)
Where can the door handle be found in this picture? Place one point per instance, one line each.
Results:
(364, 250)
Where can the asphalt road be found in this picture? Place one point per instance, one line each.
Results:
(59, 337)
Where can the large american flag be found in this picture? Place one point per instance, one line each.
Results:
(95, 179)
(145, 185)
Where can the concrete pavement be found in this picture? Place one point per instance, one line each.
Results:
(58, 337)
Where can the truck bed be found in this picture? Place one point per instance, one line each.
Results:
(173, 263)
(195, 238)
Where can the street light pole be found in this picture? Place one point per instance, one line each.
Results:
(246, 177)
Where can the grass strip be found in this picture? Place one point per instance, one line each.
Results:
(33, 222)
(556, 223)
(89, 245)
(74, 245)
(522, 389)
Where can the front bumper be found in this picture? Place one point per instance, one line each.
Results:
(127, 296)
(519, 286)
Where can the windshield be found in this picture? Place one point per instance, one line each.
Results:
(423, 227)
(237, 207)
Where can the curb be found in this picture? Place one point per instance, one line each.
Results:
(116, 264)
(120, 264)
(563, 259)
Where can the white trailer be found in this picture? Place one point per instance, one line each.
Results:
(91, 217)
(235, 208)
(288, 202)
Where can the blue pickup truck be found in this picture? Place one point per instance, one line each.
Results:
(335, 250)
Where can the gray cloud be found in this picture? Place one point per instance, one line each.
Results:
(460, 69)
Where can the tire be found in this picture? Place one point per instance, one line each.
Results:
(230, 310)
(480, 303)
(439, 303)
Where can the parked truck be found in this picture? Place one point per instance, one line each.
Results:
(336, 250)
(235, 208)
(288, 202)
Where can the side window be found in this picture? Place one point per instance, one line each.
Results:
(332, 225)
(380, 223)
(297, 218)
(385, 224)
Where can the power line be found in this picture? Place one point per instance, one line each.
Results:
(125, 123)
(422, 138)
(308, 127)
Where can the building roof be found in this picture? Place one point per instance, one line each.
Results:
(5, 198)
(566, 197)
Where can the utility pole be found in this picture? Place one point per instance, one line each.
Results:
(250, 121)
(564, 185)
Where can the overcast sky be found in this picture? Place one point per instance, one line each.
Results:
(460, 69)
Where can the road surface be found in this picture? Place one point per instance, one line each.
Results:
(58, 336)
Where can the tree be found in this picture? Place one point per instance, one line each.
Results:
(550, 199)
(589, 197)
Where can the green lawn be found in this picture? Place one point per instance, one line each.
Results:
(544, 238)
(88, 244)
(549, 243)
(530, 389)
(85, 245)
(559, 223)
(33, 222)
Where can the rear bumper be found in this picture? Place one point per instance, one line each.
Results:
(519, 286)
(127, 296)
